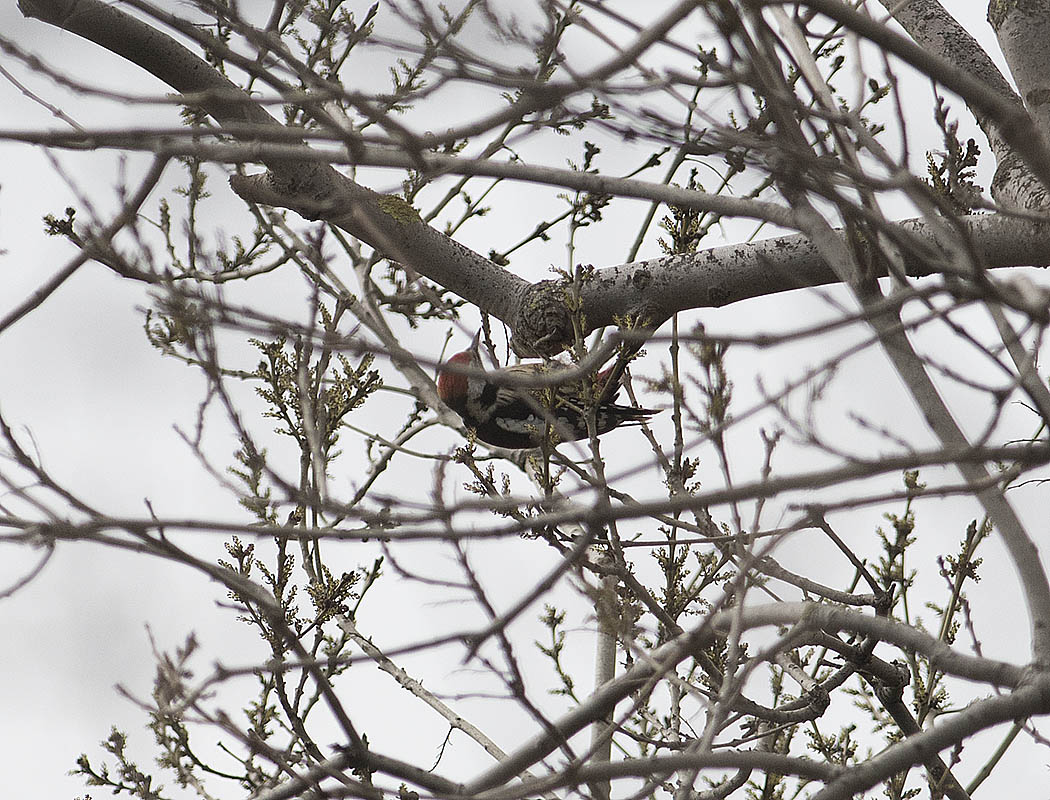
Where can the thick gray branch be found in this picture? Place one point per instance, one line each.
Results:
(723, 275)
(1023, 30)
(931, 26)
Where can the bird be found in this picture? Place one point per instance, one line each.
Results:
(503, 410)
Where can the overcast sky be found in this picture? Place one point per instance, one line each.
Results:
(104, 411)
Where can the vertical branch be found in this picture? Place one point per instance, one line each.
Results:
(604, 672)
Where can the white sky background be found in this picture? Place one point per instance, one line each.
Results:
(100, 404)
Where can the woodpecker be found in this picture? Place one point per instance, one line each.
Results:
(510, 414)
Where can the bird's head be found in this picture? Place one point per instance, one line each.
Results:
(453, 383)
